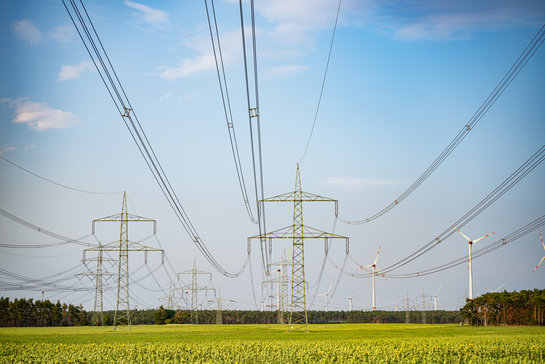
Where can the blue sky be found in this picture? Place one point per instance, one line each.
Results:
(404, 78)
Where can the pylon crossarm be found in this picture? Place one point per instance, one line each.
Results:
(308, 233)
(132, 247)
(305, 196)
(125, 217)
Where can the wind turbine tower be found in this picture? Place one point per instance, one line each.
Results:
(542, 259)
(471, 242)
(435, 298)
(375, 270)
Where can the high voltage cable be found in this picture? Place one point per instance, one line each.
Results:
(222, 80)
(88, 33)
(254, 112)
(528, 166)
(57, 183)
(523, 59)
(23, 222)
(517, 234)
(323, 82)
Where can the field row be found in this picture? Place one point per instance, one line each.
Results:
(417, 350)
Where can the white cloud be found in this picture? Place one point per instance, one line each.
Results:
(69, 72)
(39, 116)
(6, 148)
(204, 59)
(447, 20)
(27, 32)
(157, 18)
(29, 147)
(360, 183)
(63, 33)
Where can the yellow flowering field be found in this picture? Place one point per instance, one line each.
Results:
(350, 343)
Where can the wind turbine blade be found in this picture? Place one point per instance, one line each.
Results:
(542, 240)
(542, 259)
(438, 290)
(367, 266)
(379, 272)
(461, 233)
(482, 237)
(376, 258)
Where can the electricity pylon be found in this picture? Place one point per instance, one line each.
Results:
(123, 246)
(282, 282)
(195, 288)
(169, 298)
(98, 317)
(298, 232)
(219, 300)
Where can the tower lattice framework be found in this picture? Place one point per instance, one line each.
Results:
(195, 288)
(123, 246)
(298, 233)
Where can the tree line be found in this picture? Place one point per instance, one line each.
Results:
(27, 312)
(507, 308)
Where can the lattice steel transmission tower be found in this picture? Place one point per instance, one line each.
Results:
(195, 288)
(298, 232)
(123, 246)
(98, 275)
(282, 281)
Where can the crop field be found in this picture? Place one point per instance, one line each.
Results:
(344, 343)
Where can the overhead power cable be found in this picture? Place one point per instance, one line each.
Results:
(515, 69)
(224, 90)
(517, 234)
(30, 225)
(57, 183)
(323, 82)
(254, 112)
(91, 40)
(528, 166)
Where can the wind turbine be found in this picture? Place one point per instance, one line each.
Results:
(327, 295)
(375, 270)
(542, 259)
(435, 298)
(350, 306)
(470, 242)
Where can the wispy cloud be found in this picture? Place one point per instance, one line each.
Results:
(63, 33)
(157, 18)
(204, 58)
(69, 72)
(360, 183)
(27, 32)
(39, 116)
(442, 20)
(6, 149)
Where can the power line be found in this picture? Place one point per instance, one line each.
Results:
(515, 69)
(57, 183)
(254, 112)
(528, 166)
(88, 34)
(30, 225)
(323, 82)
(222, 80)
(517, 234)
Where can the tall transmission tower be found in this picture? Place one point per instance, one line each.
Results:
(169, 298)
(195, 288)
(298, 232)
(282, 282)
(123, 246)
(219, 300)
(98, 275)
